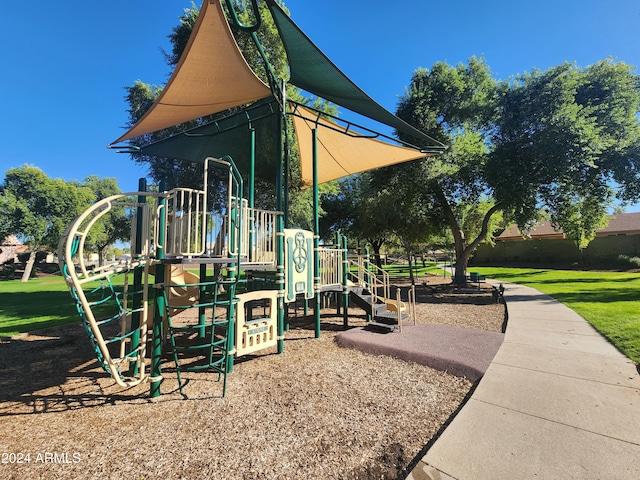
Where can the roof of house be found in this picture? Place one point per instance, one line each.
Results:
(11, 240)
(619, 224)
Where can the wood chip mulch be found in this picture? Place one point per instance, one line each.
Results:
(316, 411)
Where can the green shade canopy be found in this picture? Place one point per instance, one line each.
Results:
(229, 135)
(312, 71)
(212, 76)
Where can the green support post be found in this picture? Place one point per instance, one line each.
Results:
(316, 232)
(137, 277)
(280, 235)
(367, 276)
(159, 310)
(233, 271)
(202, 314)
(285, 202)
(231, 317)
(252, 188)
(345, 278)
(338, 244)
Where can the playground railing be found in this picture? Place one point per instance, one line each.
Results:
(330, 266)
(186, 222)
(367, 275)
(258, 238)
(261, 238)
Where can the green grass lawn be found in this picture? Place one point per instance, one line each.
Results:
(402, 270)
(610, 301)
(38, 303)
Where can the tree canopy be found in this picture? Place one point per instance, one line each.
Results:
(564, 143)
(567, 140)
(37, 209)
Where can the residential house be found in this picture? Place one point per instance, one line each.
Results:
(547, 245)
(10, 248)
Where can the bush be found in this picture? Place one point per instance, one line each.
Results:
(625, 261)
(8, 271)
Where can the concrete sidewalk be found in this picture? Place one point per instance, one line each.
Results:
(557, 402)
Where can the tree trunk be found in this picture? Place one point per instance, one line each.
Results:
(376, 256)
(460, 275)
(377, 245)
(463, 253)
(409, 251)
(29, 266)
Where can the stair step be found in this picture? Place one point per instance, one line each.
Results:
(387, 315)
(381, 326)
(386, 319)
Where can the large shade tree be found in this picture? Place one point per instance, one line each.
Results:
(565, 140)
(568, 140)
(455, 105)
(37, 209)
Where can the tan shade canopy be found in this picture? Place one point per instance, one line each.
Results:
(211, 76)
(340, 155)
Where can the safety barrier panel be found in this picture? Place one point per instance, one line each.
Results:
(253, 334)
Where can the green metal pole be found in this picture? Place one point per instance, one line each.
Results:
(337, 241)
(202, 292)
(367, 276)
(316, 232)
(252, 190)
(345, 278)
(233, 271)
(280, 242)
(159, 311)
(287, 169)
(137, 277)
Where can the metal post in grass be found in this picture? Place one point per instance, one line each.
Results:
(159, 310)
(137, 276)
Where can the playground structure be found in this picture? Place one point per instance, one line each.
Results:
(210, 285)
(132, 309)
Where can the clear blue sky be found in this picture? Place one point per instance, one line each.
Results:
(66, 63)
